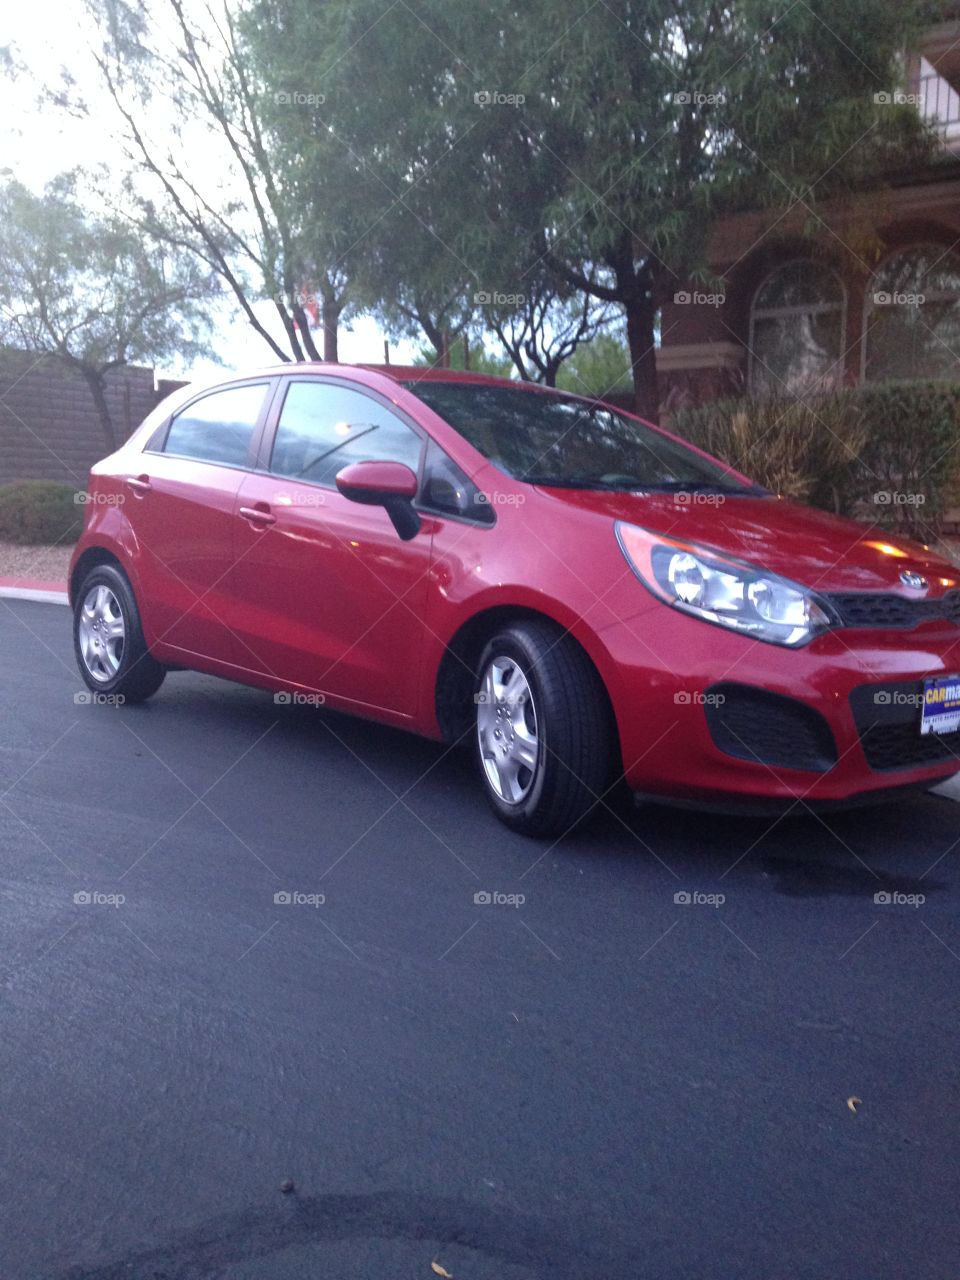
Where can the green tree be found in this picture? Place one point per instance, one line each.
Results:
(665, 116)
(472, 358)
(491, 142)
(201, 133)
(425, 218)
(92, 292)
(599, 368)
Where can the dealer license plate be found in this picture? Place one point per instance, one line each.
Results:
(941, 705)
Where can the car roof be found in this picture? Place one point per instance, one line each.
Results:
(401, 373)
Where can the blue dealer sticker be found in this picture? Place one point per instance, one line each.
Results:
(941, 705)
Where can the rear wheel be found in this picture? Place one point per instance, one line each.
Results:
(108, 640)
(544, 740)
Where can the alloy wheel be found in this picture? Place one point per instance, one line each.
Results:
(102, 632)
(507, 730)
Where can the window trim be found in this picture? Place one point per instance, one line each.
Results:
(869, 306)
(423, 508)
(162, 432)
(816, 308)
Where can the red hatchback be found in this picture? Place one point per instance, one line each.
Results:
(579, 594)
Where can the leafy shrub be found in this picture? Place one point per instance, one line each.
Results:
(803, 449)
(39, 512)
(912, 453)
(888, 453)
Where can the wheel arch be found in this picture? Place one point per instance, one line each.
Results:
(453, 692)
(90, 559)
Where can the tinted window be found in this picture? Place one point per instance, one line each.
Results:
(556, 439)
(323, 428)
(218, 427)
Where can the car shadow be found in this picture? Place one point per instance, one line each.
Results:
(888, 847)
(892, 846)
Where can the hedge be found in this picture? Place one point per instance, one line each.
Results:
(888, 453)
(40, 512)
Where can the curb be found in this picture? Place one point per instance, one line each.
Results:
(42, 592)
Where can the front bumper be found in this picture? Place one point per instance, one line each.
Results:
(835, 723)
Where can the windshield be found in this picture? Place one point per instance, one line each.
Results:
(563, 441)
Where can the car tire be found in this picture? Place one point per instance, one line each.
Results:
(108, 639)
(543, 737)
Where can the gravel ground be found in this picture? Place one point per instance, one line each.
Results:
(42, 563)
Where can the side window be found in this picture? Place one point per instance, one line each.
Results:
(448, 490)
(218, 427)
(323, 428)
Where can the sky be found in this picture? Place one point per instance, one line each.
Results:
(39, 143)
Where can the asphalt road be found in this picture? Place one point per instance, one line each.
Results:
(597, 1081)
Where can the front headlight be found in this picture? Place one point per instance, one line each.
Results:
(732, 594)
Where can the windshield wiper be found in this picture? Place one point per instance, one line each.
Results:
(631, 484)
(558, 482)
(322, 457)
(703, 486)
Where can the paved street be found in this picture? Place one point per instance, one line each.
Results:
(595, 1081)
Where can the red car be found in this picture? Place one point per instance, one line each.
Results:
(582, 595)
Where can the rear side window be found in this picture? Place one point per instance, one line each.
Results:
(323, 428)
(218, 427)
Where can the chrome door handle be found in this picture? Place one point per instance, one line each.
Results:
(258, 517)
(139, 484)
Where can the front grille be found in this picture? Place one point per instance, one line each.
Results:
(766, 728)
(888, 721)
(901, 747)
(879, 609)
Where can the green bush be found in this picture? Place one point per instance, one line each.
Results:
(887, 453)
(40, 513)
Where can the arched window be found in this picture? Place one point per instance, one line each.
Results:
(912, 316)
(797, 329)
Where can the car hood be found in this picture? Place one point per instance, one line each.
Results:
(818, 550)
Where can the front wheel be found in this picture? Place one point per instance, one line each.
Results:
(108, 640)
(544, 737)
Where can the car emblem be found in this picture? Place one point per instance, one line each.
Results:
(915, 581)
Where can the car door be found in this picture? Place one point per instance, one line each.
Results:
(181, 504)
(329, 597)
